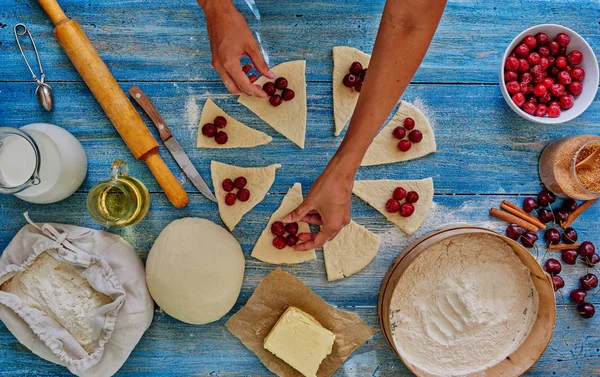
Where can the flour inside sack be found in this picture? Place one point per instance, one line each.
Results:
(463, 305)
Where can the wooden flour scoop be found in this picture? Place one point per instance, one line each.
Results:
(114, 102)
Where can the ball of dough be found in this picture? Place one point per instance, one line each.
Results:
(195, 270)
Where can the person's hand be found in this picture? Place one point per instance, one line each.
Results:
(327, 204)
(230, 39)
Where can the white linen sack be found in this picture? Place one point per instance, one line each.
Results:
(113, 272)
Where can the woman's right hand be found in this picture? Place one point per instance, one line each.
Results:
(230, 39)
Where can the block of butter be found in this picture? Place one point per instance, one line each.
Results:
(299, 339)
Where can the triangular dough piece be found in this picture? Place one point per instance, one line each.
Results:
(240, 135)
(260, 181)
(350, 251)
(377, 193)
(344, 99)
(264, 249)
(289, 118)
(384, 149)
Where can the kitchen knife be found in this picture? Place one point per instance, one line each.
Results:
(170, 142)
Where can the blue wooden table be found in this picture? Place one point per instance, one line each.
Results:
(486, 153)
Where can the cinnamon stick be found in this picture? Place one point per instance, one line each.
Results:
(575, 214)
(494, 212)
(564, 246)
(515, 210)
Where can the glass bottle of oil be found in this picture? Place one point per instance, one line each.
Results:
(120, 201)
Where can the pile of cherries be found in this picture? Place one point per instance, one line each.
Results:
(243, 194)
(541, 77)
(275, 99)
(355, 77)
(405, 209)
(414, 136)
(212, 130)
(586, 252)
(285, 234)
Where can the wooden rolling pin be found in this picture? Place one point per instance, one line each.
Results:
(113, 100)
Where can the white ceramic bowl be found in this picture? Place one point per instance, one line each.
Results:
(589, 64)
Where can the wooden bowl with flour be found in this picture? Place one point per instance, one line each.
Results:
(481, 281)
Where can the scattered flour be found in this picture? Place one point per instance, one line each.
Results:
(58, 290)
(192, 114)
(426, 110)
(463, 305)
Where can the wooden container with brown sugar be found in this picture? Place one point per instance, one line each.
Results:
(559, 171)
(532, 342)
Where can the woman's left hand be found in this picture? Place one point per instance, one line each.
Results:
(327, 204)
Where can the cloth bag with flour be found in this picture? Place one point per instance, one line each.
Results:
(74, 296)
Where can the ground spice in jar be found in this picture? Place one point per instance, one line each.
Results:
(589, 177)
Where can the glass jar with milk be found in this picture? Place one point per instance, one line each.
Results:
(40, 163)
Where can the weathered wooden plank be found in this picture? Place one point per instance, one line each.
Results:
(145, 41)
(172, 348)
(477, 135)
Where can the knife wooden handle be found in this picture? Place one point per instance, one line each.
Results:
(142, 99)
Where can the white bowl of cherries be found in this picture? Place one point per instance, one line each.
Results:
(549, 74)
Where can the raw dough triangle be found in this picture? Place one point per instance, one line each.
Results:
(384, 149)
(344, 99)
(264, 249)
(350, 251)
(377, 193)
(240, 135)
(260, 181)
(289, 118)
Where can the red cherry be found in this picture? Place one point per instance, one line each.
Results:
(557, 90)
(510, 76)
(275, 100)
(252, 77)
(291, 240)
(512, 64)
(209, 130)
(523, 66)
(513, 87)
(564, 78)
(544, 51)
(552, 266)
(409, 123)
(554, 103)
(570, 205)
(575, 88)
(280, 242)
(554, 111)
(537, 71)
(230, 199)
(544, 63)
(288, 94)
(269, 88)
(363, 74)
(514, 231)
(566, 102)
(221, 137)
(281, 83)
(404, 145)
(533, 58)
(530, 42)
(534, 100)
(593, 261)
(518, 99)
(247, 67)
(586, 310)
(578, 296)
(539, 90)
(561, 62)
(227, 185)
(529, 108)
(569, 256)
(557, 282)
(220, 122)
(522, 50)
(541, 38)
(551, 60)
(587, 250)
(575, 57)
(240, 182)
(277, 228)
(349, 80)
(541, 110)
(526, 77)
(552, 235)
(588, 282)
(577, 74)
(412, 197)
(243, 195)
(548, 82)
(528, 239)
(524, 88)
(545, 98)
(407, 209)
(415, 136)
(399, 193)
(292, 228)
(358, 86)
(399, 133)
(356, 68)
(563, 39)
(392, 206)
(530, 204)
(554, 47)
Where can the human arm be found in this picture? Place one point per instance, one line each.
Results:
(405, 32)
(230, 39)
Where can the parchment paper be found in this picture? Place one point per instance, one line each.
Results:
(272, 297)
